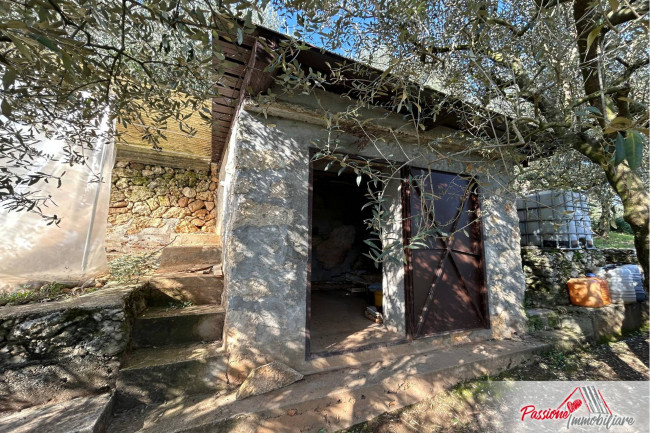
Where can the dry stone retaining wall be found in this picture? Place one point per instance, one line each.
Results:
(60, 350)
(547, 271)
(151, 203)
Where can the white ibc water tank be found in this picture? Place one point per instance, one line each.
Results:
(555, 219)
(621, 283)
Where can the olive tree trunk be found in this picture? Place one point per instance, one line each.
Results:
(633, 193)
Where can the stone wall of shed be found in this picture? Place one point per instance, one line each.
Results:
(266, 241)
(149, 204)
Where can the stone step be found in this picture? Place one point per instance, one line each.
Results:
(196, 239)
(79, 415)
(160, 374)
(160, 326)
(179, 258)
(542, 319)
(199, 289)
(564, 340)
(336, 399)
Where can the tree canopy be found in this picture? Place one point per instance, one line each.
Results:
(568, 77)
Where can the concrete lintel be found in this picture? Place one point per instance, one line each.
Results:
(303, 113)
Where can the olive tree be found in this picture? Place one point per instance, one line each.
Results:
(528, 80)
(567, 76)
(68, 64)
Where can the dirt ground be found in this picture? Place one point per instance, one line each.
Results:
(465, 407)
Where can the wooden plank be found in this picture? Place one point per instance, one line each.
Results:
(229, 64)
(222, 117)
(223, 80)
(232, 51)
(221, 124)
(220, 144)
(228, 102)
(228, 92)
(223, 109)
(231, 37)
(220, 129)
(147, 155)
(230, 68)
(260, 79)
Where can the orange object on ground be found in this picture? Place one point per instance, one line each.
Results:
(604, 291)
(587, 292)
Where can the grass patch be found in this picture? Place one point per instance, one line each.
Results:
(615, 240)
(47, 292)
(130, 267)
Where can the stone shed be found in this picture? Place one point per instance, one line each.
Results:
(293, 243)
(298, 282)
(291, 197)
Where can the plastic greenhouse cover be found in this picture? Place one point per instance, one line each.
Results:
(74, 250)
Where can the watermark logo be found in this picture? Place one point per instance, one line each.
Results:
(584, 406)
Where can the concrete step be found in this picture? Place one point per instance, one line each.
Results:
(180, 258)
(333, 400)
(160, 326)
(199, 289)
(79, 415)
(362, 358)
(153, 375)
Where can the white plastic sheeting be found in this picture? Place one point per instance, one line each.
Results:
(74, 250)
(622, 282)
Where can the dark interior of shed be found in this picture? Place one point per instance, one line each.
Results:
(343, 279)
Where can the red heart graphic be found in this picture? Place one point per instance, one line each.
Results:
(573, 405)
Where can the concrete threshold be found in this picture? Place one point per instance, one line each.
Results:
(332, 400)
(386, 352)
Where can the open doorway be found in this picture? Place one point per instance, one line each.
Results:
(346, 285)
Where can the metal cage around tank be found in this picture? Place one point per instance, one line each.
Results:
(555, 219)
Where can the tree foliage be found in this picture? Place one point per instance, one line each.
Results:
(563, 79)
(570, 77)
(66, 64)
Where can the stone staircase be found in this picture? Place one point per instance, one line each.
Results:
(176, 342)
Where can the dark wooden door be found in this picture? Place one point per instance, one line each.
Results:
(445, 282)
